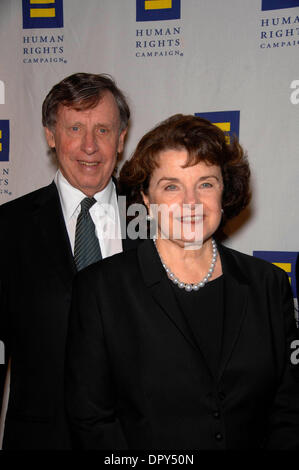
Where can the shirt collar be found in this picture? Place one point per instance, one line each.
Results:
(71, 197)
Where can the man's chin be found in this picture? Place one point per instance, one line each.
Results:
(88, 186)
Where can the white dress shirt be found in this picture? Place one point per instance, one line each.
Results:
(104, 213)
(105, 216)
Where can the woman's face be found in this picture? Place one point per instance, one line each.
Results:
(188, 199)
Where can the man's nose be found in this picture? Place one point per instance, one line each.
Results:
(89, 143)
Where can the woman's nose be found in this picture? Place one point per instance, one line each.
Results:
(191, 197)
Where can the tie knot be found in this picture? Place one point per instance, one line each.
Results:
(87, 203)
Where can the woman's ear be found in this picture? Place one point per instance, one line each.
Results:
(145, 200)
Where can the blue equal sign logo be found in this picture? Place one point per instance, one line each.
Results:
(279, 4)
(227, 121)
(42, 14)
(158, 10)
(4, 140)
(285, 260)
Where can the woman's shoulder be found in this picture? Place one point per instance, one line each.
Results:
(249, 263)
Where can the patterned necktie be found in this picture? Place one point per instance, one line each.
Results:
(87, 248)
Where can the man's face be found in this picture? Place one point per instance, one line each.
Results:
(87, 143)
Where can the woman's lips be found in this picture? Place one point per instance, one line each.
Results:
(88, 163)
(190, 219)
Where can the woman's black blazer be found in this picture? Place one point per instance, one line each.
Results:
(136, 379)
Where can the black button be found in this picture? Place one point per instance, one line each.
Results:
(218, 436)
(221, 395)
(216, 414)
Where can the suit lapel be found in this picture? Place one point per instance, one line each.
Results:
(50, 222)
(235, 305)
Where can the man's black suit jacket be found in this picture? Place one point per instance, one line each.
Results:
(36, 273)
(135, 377)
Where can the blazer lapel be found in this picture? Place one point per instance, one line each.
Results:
(235, 298)
(49, 219)
(160, 288)
(235, 305)
(128, 244)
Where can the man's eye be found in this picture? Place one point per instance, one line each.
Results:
(75, 128)
(102, 130)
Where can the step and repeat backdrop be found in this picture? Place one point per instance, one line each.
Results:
(235, 62)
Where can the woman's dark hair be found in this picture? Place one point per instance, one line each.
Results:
(203, 141)
(83, 91)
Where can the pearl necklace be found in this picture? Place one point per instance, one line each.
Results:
(183, 285)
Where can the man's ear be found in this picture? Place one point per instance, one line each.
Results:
(50, 137)
(121, 140)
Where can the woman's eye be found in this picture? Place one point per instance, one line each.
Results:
(170, 187)
(206, 185)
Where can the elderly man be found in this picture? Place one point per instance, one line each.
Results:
(49, 235)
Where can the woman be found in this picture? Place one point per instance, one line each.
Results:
(183, 343)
